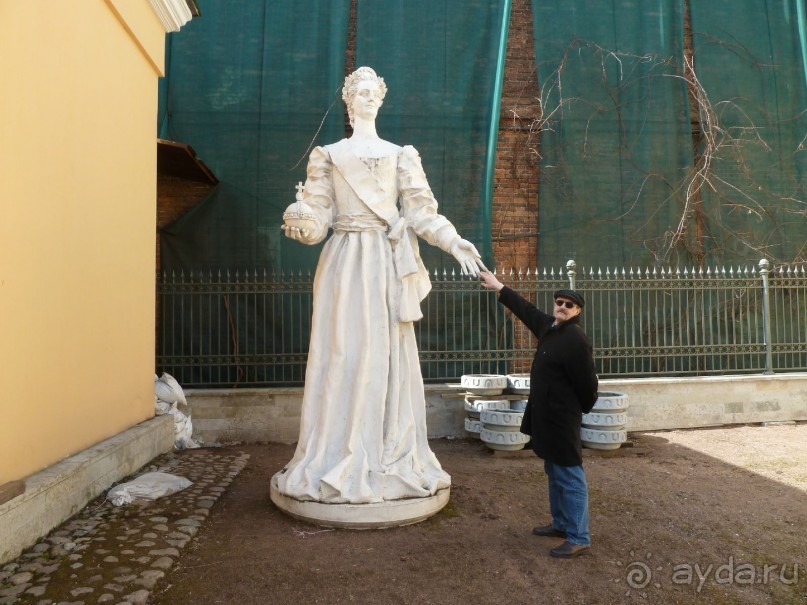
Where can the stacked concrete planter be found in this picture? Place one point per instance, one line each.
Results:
(500, 428)
(480, 392)
(484, 384)
(604, 427)
(518, 384)
(474, 408)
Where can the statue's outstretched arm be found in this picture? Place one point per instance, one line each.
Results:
(420, 209)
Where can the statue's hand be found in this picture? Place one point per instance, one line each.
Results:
(468, 257)
(295, 233)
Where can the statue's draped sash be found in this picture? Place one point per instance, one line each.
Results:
(412, 275)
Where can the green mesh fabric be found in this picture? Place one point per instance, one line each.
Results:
(247, 86)
(751, 60)
(616, 145)
(440, 60)
(441, 63)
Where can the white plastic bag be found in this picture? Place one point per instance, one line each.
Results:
(183, 430)
(161, 407)
(167, 394)
(167, 389)
(148, 486)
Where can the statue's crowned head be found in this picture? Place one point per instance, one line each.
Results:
(352, 82)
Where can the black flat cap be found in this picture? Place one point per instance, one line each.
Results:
(573, 296)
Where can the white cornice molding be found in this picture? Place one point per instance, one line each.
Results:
(172, 13)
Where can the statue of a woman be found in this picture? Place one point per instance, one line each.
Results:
(363, 427)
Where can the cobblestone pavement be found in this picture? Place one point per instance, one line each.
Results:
(117, 554)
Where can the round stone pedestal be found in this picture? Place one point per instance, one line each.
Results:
(377, 515)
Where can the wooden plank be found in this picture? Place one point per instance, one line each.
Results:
(10, 490)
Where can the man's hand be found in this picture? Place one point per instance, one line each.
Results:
(490, 282)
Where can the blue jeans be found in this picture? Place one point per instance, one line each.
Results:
(568, 501)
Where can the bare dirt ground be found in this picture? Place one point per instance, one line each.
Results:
(713, 516)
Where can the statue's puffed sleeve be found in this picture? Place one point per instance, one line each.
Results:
(419, 205)
(318, 194)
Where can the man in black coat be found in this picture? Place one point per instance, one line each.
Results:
(563, 387)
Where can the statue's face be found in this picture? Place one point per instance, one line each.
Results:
(367, 100)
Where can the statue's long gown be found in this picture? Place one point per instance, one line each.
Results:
(363, 426)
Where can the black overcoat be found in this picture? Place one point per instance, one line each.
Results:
(563, 382)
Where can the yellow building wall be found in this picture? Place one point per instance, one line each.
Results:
(78, 112)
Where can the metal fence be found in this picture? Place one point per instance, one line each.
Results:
(252, 328)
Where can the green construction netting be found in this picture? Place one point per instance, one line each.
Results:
(248, 85)
(626, 179)
(443, 64)
(751, 60)
(615, 139)
(440, 60)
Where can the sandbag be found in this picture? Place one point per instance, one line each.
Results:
(148, 486)
(167, 389)
(167, 394)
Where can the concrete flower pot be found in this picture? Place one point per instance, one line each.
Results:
(604, 427)
(504, 440)
(519, 405)
(501, 420)
(596, 420)
(518, 384)
(479, 405)
(500, 429)
(603, 439)
(484, 384)
(610, 402)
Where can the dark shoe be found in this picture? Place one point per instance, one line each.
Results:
(567, 550)
(548, 531)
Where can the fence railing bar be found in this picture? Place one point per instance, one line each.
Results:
(250, 328)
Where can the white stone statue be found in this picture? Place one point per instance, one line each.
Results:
(363, 428)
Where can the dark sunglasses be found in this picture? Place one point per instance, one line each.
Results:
(564, 303)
